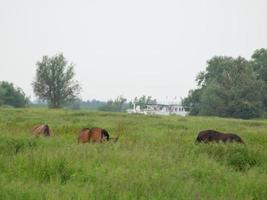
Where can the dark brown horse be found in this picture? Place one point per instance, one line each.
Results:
(216, 136)
(94, 135)
(42, 129)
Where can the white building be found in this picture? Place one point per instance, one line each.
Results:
(160, 109)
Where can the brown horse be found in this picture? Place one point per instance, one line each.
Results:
(84, 135)
(216, 136)
(94, 135)
(42, 129)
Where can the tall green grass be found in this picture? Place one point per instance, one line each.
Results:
(155, 158)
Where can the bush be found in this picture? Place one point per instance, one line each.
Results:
(234, 155)
(14, 146)
(54, 169)
(241, 160)
(9, 95)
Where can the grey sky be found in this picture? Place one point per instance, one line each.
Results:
(125, 47)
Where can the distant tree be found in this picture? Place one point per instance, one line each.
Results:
(54, 81)
(94, 104)
(37, 103)
(10, 95)
(119, 102)
(144, 100)
(117, 105)
(75, 104)
(229, 88)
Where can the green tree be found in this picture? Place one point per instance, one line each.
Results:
(228, 87)
(10, 95)
(55, 82)
(192, 101)
(144, 100)
(118, 105)
(259, 64)
(119, 102)
(213, 100)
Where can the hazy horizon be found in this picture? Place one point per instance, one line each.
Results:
(127, 48)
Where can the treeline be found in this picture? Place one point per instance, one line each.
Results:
(231, 87)
(12, 96)
(92, 104)
(120, 104)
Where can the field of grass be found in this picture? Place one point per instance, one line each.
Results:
(155, 158)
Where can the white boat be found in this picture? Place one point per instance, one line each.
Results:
(160, 109)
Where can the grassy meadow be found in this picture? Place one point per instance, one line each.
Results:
(155, 158)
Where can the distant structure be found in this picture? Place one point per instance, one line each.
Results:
(160, 109)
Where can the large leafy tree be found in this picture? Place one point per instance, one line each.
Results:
(259, 63)
(13, 96)
(55, 82)
(192, 101)
(228, 87)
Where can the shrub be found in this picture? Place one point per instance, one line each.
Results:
(55, 169)
(14, 146)
(234, 155)
(241, 160)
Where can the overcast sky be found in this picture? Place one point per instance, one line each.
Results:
(127, 47)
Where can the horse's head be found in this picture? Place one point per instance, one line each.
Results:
(47, 131)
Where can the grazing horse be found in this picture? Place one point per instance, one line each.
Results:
(42, 129)
(84, 135)
(216, 136)
(94, 135)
